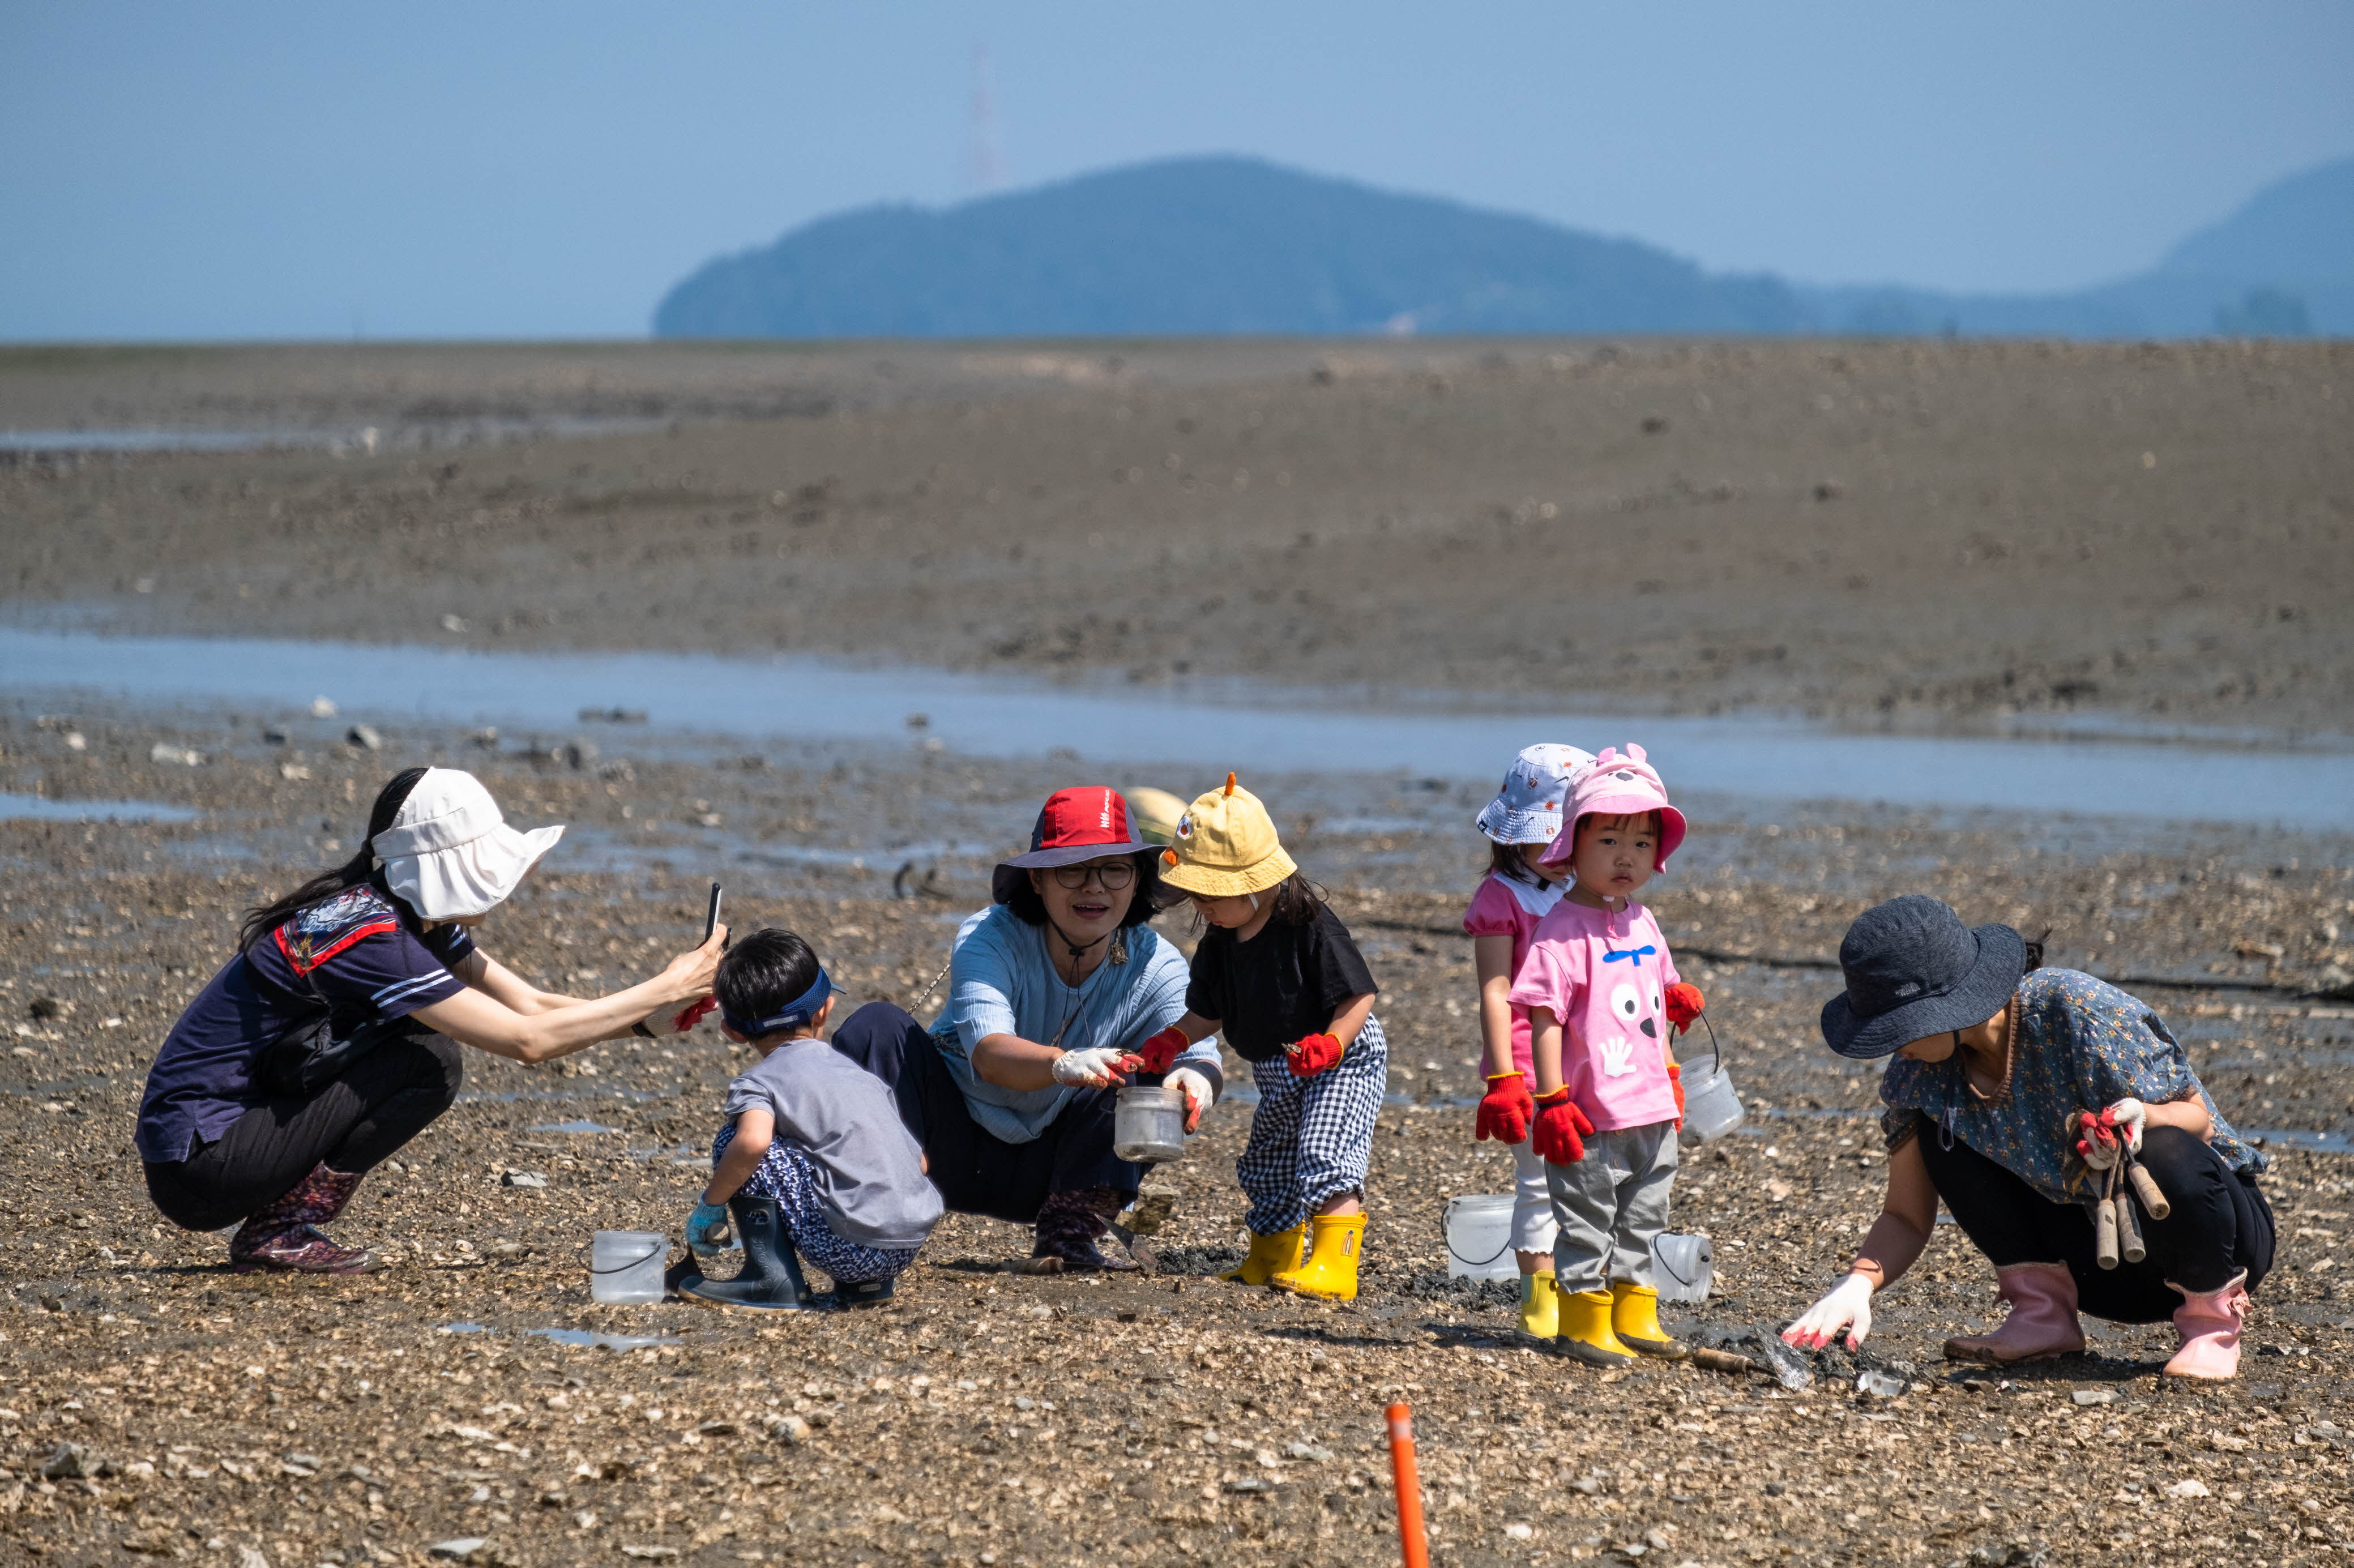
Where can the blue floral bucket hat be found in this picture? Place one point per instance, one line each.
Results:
(1527, 807)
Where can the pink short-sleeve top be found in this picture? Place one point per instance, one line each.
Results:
(1504, 907)
(1603, 975)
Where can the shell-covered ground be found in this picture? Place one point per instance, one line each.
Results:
(153, 1405)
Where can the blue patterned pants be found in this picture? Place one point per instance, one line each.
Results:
(785, 1175)
(1312, 1139)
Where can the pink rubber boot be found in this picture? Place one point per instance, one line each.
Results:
(284, 1235)
(2042, 1321)
(2208, 1322)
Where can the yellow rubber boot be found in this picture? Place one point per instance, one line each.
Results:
(1540, 1305)
(1331, 1272)
(1634, 1315)
(1270, 1256)
(1586, 1333)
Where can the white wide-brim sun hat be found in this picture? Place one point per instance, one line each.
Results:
(450, 852)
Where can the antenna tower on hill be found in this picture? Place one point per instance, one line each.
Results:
(985, 169)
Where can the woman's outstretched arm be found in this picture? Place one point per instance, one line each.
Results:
(480, 1020)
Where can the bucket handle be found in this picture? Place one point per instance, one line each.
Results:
(1661, 1258)
(1472, 1262)
(1715, 1046)
(658, 1250)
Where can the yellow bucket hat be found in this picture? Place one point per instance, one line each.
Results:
(1225, 847)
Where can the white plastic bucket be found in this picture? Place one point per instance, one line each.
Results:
(626, 1265)
(1711, 1109)
(1148, 1122)
(1682, 1267)
(1480, 1238)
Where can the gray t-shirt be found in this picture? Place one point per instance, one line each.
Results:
(870, 1173)
(1001, 982)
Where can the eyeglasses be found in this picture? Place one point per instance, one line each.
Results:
(1114, 875)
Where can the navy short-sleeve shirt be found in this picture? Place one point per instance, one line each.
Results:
(357, 958)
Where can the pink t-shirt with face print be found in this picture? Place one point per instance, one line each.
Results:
(1603, 976)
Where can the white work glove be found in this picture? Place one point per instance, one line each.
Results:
(1848, 1306)
(1096, 1067)
(2128, 1116)
(1196, 1090)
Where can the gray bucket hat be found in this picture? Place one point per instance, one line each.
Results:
(1913, 970)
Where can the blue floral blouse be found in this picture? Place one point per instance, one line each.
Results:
(2080, 1044)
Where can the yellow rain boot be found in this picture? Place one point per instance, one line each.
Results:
(1635, 1317)
(1331, 1271)
(1270, 1256)
(1540, 1305)
(1586, 1332)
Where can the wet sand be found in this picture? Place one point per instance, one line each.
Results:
(187, 1413)
(1921, 536)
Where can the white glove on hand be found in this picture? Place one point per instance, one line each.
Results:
(2129, 1115)
(1196, 1090)
(1849, 1306)
(1096, 1067)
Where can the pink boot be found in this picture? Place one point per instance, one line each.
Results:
(2208, 1322)
(280, 1234)
(2042, 1321)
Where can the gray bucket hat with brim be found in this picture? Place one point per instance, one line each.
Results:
(1913, 970)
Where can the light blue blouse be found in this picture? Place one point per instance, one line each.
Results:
(1001, 981)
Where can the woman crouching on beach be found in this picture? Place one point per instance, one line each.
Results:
(332, 1038)
(2014, 1092)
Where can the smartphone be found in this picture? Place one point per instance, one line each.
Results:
(711, 915)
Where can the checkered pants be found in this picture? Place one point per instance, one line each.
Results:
(1312, 1139)
(784, 1175)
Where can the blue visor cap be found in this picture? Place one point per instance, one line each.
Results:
(793, 1014)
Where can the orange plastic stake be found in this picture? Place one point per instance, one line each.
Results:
(1417, 1550)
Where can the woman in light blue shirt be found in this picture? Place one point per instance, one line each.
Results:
(1052, 990)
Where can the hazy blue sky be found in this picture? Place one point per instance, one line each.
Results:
(248, 169)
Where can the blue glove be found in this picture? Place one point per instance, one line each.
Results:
(706, 1230)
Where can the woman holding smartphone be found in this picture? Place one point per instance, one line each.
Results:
(332, 1038)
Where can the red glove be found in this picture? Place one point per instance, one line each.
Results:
(1313, 1054)
(1676, 1082)
(695, 1012)
(1159, 1054)
(1505, 1110)
(1684, 1004)
(1560, 1127)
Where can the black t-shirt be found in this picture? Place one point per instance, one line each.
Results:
(1282, 985)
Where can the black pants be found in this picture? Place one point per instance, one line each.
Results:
(386, 1098)
(2220, 1225)
(976, 1171)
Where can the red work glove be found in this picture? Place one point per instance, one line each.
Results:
(1560, 1127)
(1313, 1054)
(1684, 1004)
(1159, 1054)
(695, 1012)
(1505, 1110)
(1676, 1082)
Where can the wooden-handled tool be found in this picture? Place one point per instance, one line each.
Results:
(2145, 1185)
(2129, 1241)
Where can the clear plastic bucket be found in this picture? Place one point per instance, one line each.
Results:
(1711, 1109)
(1149, 1123)
(1682, 1267)
(626, 1265)
(1480, 1238)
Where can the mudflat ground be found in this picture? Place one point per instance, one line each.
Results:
(1932, 536)
(1881, 533)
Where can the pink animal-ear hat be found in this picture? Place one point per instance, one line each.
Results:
(1618, 786)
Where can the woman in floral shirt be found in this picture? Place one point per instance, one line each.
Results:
(1993, 1054)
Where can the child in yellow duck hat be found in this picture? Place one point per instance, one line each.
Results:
(1277, 973)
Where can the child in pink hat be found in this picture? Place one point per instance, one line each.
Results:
(1603, 998)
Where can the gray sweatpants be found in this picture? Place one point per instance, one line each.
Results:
(1609, 1206)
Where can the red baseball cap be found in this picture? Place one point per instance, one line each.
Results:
(1074, 825)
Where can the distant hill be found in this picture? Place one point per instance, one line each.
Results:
(1230, 244)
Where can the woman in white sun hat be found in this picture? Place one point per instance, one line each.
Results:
(332, 1038)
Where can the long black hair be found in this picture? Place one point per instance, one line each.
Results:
(1507, 862)
(264, 918)
(1144, 901)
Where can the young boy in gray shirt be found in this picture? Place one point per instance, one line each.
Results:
(814, 1161)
